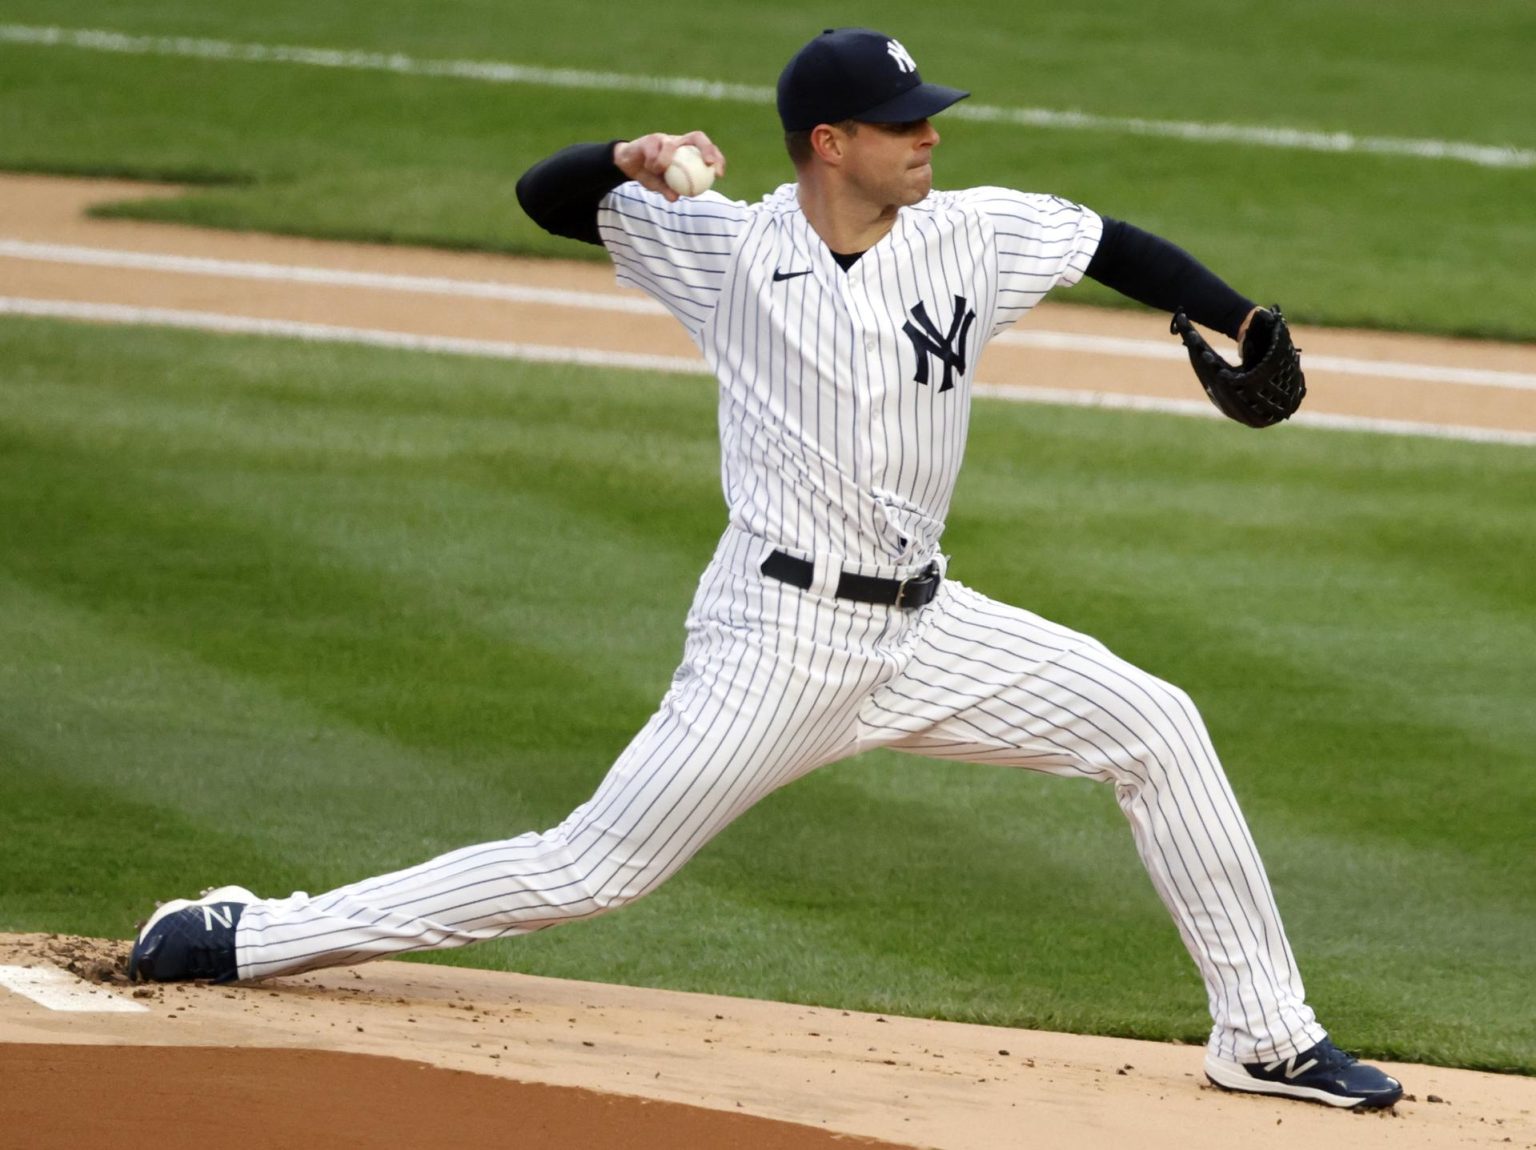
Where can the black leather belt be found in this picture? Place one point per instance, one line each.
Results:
(911, 593)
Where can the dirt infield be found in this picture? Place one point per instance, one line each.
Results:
(410, 1054)
(672, 1069)
(1077, 351)
(347, 1100)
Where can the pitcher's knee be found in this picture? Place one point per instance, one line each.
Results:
(600, 898)
(1169, 732)
(1178, 703)
(616, 883)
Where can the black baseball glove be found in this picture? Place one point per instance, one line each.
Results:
(1267, 387)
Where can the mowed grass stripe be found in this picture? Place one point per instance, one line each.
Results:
(715, 91)
(397, 158)
(223, 322)
(80, 857)
(474, 575)
(238, 756)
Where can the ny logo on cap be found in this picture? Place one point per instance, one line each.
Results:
(902, 57)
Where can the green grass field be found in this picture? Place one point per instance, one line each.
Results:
(289, 615)
(1379, 241)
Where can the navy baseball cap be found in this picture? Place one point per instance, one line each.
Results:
(856, 74)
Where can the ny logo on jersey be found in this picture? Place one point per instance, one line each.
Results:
(948, 349)
(902, 57)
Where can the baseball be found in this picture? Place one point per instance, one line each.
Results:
(688, 174)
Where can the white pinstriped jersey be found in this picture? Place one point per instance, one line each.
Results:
(845, 395)
(843, 415)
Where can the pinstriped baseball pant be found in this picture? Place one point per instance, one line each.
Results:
(776, 682)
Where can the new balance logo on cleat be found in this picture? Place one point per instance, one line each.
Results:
(1291, 1069)
(1322, 1074)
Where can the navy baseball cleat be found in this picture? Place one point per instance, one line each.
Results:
(1323, 1074)
(191, 939)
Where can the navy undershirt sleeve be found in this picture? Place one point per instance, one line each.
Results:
(1150, 270)
(561, 193)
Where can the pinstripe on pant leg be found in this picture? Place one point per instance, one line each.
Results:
(751, 708)
(986, 682)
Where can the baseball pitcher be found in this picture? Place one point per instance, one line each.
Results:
(843, 316)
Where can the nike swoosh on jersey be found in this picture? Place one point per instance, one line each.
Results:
(778, 275)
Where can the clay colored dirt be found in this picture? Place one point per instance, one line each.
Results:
(904, 1081)
(47, 211)
(412, 1054)
(138, 1096)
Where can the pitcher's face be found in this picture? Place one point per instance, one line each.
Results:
(891, 164)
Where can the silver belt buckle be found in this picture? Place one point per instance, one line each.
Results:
(927, 572)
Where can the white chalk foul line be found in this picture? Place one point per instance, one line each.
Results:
(59, 990)
(327, 333)
(1343, 365)
(490, 71)
(537, 353)
(331, 277)
(1200, 409)
(605, 301)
